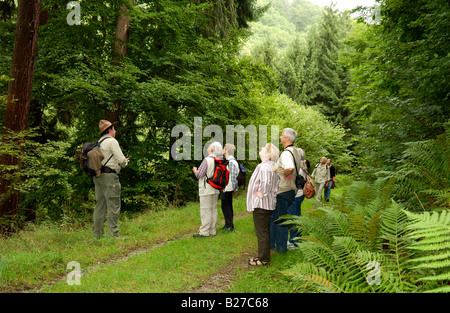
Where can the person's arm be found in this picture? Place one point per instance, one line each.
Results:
(201, 171)
(118, 154)
(287, 162)
(288, 172)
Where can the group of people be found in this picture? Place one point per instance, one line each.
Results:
(271, 194)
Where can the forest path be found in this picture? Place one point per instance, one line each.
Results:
(218, 278)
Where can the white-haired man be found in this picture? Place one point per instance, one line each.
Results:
(208, 195)
(321, 175)
(286, 190)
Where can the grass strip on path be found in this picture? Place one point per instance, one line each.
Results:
(181, 265)
(39, 256)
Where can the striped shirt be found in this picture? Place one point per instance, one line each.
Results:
(265, 180)
(201, 171)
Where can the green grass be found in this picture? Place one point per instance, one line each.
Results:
(178, 266)
(168, 258)
(40, 254)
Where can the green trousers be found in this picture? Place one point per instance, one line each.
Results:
(107, 195)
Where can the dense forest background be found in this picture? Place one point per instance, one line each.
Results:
(367, 89)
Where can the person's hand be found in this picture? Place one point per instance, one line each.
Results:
(259, 194)
(128, 160)
(289, 177)
(235, 192)
(194, 169)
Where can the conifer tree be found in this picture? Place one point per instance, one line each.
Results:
(325, 78)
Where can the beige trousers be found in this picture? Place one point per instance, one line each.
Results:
(208, 214)
(319, 188)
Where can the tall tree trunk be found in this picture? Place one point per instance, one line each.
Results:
(19, 95)
(120, 52)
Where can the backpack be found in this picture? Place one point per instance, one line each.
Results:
(241, 175)
(221, 175)
(90, 158)
(309, 190)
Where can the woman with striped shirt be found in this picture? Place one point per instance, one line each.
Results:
(261, 200)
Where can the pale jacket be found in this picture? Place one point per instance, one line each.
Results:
(204, 188)
(284, 162)
(321, 173)
(110, 147)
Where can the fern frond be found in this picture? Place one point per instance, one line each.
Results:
(338, 223)
(425, 172)
(439, 290)
(318, 254)
(309, 274)
(445, 276)
(431, 235)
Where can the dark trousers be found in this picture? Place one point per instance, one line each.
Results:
(279, 232)
(227, 208)
(261, 219)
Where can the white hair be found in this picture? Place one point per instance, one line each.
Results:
(291, 134)
(272, 151)
(216, 148)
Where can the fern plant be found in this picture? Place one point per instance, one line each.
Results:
(423, 179)
(370, 243)
(356, 250)
(430, 233)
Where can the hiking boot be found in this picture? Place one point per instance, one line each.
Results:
(199, 236)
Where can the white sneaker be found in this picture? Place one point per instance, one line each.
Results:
(291, 246)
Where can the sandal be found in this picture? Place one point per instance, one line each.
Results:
(256, 262)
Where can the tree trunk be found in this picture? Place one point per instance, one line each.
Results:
(19, 95)
(120, 52)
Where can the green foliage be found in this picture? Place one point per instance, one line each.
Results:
(431, 235)
(369, 243)
(174, 71)
(398, 79)
(316, 136)
(423, 175)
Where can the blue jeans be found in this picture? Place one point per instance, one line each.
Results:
(295, 209)
(278, 232)
(327, 191)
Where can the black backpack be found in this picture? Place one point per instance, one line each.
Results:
(83, 158)
(221, 175)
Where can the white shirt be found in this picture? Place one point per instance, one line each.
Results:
(285, 162)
